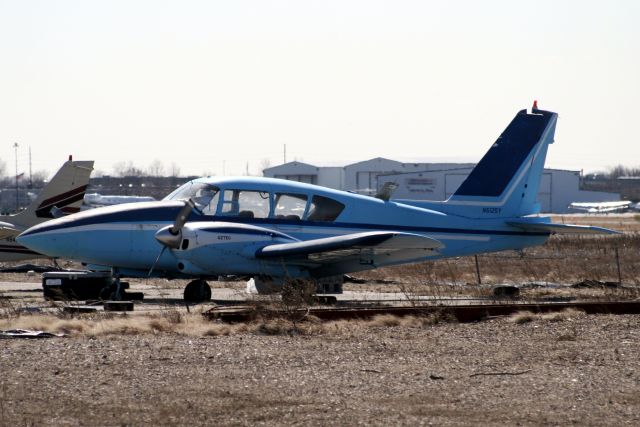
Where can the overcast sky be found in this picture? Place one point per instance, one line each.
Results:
(214, 85)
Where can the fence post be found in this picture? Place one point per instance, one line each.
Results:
(478, 270)
(618, 265)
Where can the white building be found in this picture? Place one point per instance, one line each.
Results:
(431, 181)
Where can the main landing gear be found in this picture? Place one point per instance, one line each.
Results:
(197, 291)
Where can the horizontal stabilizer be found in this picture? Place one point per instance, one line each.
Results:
(9, 230)
(561, 228)
(384, 240)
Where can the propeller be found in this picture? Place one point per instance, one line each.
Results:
(171, 236)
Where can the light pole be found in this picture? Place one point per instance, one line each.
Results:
(15, 146)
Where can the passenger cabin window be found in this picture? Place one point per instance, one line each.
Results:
(290, 206)
(245, 204)
(324, 209)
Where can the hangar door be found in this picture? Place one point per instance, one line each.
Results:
(544, 192)
(452, 182)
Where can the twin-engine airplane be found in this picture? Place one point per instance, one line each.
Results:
(274, 229)
(62, 195)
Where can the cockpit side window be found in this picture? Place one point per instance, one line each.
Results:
(246, 204)
(290, 206)
(324, 209)
(205, 196)
(206, 201)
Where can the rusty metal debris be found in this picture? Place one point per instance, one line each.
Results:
(27, 333)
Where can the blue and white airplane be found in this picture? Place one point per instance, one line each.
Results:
(275, 229)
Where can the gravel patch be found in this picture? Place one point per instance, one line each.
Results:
(576, 369)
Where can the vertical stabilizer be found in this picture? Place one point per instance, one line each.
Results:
(505, 182)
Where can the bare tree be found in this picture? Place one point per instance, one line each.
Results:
(617, 171)
(126, 169)
(621, 170)
(264, 164)
(156, 168)
(174, 170)
(3, 169)
(38, 178)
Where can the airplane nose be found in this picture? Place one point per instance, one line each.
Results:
(31, 241)
(102, 234)
(48, 239)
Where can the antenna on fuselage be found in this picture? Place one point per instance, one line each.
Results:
(386, 191)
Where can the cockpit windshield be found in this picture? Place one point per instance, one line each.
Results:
(205, 196)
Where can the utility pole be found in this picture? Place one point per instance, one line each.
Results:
(284, 154)
(30, 174)
(15, 146)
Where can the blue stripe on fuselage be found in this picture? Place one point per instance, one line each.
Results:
(102, 216)
(168, 214)
(408, 228)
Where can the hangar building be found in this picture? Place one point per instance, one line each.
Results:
(430, 181)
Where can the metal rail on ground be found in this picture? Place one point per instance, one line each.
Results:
(462, 313)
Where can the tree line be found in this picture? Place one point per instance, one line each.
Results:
(119, 169)
(620, 170)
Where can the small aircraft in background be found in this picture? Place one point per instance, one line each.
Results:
(62, 195)
(275, 230)
(96, 200)
(604, 207)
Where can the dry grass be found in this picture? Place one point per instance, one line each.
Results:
(97, 325)
(522, 317)
(560, 316)
(562, 260)
(194, 324)
(409, 321)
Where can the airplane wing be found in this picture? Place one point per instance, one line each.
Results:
(376, 247)
(561, 228)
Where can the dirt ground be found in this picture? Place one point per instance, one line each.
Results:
(570, 369)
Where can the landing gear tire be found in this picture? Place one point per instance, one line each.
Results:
(197, 291)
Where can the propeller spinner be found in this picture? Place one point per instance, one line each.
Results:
(172, 236)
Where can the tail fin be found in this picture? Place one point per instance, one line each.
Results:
(64, 193)
(505, 182)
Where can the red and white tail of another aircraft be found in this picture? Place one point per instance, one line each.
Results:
(62, 195)
(602, 207)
